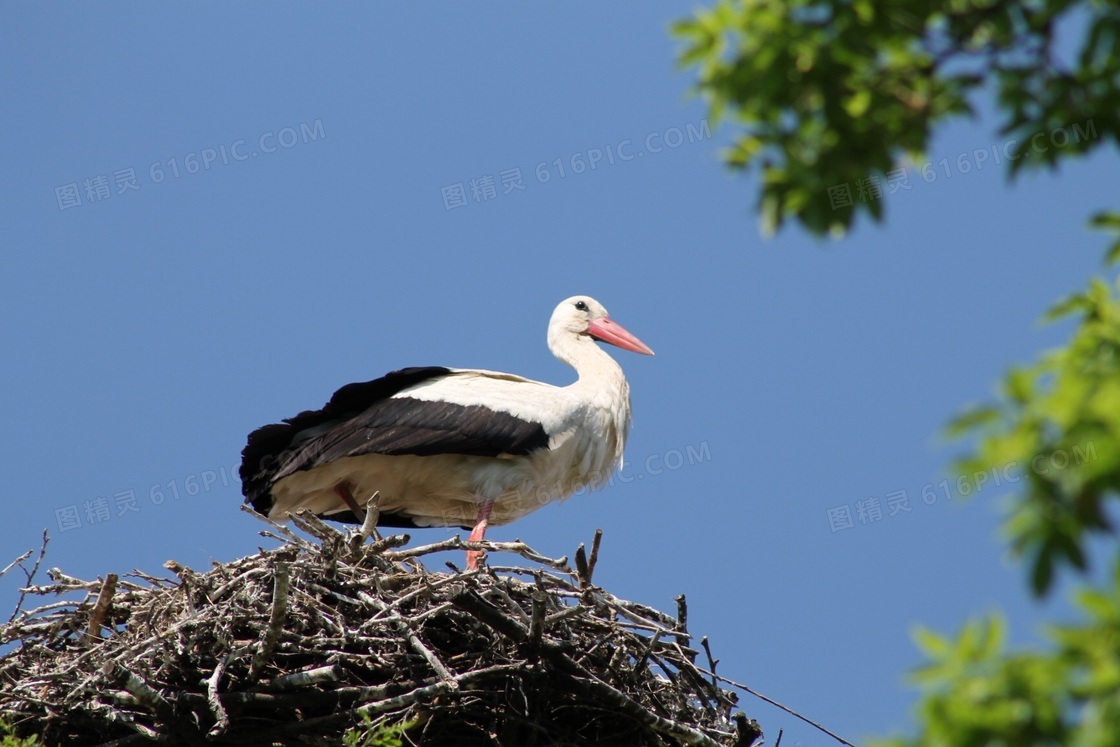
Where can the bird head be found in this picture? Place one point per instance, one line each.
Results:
(583, 316)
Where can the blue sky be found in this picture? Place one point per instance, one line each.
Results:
(278, 200)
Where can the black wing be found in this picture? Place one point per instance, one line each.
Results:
(365, 419)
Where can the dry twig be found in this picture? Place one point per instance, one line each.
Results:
(30, 574)
(295, 644)
(101, 607)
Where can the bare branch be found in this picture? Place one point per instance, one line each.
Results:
(15, 562)
(141, 690)
(315, 526)
(275, 622)
(594, 554)
(296, 680)
(785, 708)
(454, 543)
(373, 513)
(214, 699)
(29, 574)
(104, 599)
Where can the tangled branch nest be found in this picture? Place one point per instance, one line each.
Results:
(296, 644)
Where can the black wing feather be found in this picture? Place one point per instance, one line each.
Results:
(364, 418)
(268, 447)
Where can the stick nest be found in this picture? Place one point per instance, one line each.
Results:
(298, 644)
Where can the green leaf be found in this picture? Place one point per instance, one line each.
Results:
(1068, 305)
(1020, 385)
(1113, 253)
(972, 419)
(858, 104)
(1042, 573)
(932, 645)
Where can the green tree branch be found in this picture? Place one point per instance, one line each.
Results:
(831, 92)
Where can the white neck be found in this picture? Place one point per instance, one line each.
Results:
(593, 365)
(597, 405)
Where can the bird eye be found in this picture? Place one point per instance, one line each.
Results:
(581, 306)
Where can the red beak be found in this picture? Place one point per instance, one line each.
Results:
(606, 330)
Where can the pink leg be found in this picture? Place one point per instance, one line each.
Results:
(479, 532)
(343, 492)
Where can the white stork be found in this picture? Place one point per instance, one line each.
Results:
(445, 447)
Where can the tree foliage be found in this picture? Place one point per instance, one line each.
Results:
(373, 733)
(8, 737)
(831, 92)
(1058, 423)
(978, 693)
